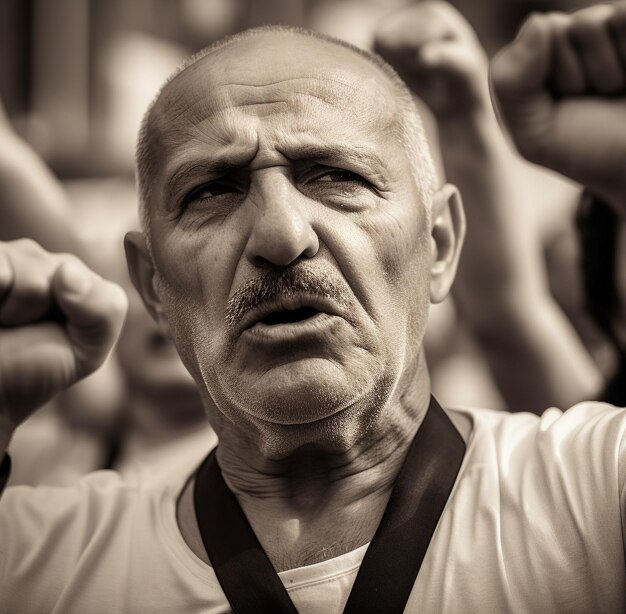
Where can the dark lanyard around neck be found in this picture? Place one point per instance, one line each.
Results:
(394, 556)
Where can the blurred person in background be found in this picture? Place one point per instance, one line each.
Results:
(548, 110)
(141, 413)
(522, 478)
(163, 422)
(502, 293)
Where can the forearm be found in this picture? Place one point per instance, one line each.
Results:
(535, 354)
(33, 203)
(501, 249)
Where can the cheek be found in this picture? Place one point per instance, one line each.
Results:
(401, 243)
(194, 270)
(384, 256)
(192, 283)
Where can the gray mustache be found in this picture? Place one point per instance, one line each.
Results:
(271, 285)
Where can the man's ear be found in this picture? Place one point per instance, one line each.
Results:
(447, 231)
(141, 271)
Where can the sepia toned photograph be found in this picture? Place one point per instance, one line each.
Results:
(312, 306)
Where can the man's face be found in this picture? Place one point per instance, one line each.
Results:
(290, 243)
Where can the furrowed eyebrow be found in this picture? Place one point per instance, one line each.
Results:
(337, 153)
(188, 173)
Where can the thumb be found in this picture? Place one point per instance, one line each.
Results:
(94, 309)
(455, 59)
(522, 67)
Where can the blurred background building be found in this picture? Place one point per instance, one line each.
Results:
(76, 75)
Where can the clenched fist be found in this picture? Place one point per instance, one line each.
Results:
(437, 53)
(561, 90)
(58, 322)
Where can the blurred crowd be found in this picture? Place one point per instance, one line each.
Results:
(540, 270)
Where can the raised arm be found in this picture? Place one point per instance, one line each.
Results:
(533, 351)
(33, 204)
(58, 322)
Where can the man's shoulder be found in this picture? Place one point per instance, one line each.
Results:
(584, 444)
(580, 418)
(100, 500)
(106, 533)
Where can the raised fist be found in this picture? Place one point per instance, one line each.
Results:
(561, 90)
(58, 322)
(437, 53)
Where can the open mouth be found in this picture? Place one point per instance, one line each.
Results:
(289, 316)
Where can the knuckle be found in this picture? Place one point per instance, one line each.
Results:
(119, 299)
(442, 10)
(451, 16)
(115, 301)
(67, 258)
(28, 246)
(558, 22)
(587, 24)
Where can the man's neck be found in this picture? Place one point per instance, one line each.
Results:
(316, 510)
(316, 505)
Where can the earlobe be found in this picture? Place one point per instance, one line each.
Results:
(141, 271)
(447, 234)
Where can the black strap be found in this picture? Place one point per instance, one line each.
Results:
(394, 557)
(5, 471)
(421, 490)
(244, 571)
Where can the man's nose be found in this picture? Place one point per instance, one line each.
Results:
(281, 232)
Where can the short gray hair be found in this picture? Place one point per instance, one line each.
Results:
(411, 128)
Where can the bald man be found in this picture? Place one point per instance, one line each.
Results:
(293, 239)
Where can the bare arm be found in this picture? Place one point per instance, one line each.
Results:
(534, 353)
(33, 204)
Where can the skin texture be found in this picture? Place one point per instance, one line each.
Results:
(312, 428)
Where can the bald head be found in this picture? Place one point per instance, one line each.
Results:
(276, 54)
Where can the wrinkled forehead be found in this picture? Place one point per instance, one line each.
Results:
(276, 74)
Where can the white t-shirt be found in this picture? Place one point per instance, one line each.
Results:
(534, 524)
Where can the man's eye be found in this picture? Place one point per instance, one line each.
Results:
(212, 190)
(339, 176)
